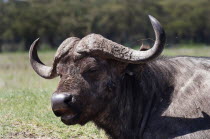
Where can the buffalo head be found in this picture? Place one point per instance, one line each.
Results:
(90, 70)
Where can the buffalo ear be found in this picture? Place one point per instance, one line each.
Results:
(122, 68)
(144, 47)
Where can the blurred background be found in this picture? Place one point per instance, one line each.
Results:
(25, 109)
(123, 21)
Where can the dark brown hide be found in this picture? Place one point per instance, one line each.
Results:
(115, 96)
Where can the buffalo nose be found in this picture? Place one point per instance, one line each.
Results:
(59, 103)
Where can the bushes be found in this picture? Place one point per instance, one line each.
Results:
(124, 21)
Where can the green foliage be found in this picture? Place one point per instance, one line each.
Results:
(124, 21)
(189, 20)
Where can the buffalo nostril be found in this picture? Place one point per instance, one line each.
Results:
(68, 99)
(58, 103)
(61, 99)
(61, 103)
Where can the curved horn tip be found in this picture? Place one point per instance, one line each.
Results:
(32, 47)
(157, 27)
(155, 23)
(152, 19)
(38, 65)
(37, 40)
(34, 44)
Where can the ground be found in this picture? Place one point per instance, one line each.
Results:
(25, 108)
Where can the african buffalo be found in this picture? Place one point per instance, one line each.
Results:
(129, 93)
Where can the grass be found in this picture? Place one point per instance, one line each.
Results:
(25, 110)
(192, 50)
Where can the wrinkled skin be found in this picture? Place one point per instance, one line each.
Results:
(83, 78)
(100, 96)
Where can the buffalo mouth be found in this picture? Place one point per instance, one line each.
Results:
(70, 119)
(68, 116)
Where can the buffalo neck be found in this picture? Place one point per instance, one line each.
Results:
(137, 97)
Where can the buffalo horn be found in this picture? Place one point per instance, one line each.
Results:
(98, 45)
(38, 66)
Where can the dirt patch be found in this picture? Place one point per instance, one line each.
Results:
(26, 135)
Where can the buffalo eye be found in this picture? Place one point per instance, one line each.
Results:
(91, 73)
(91, 70)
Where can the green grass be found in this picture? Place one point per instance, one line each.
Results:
(25, 110)
(192, 50)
